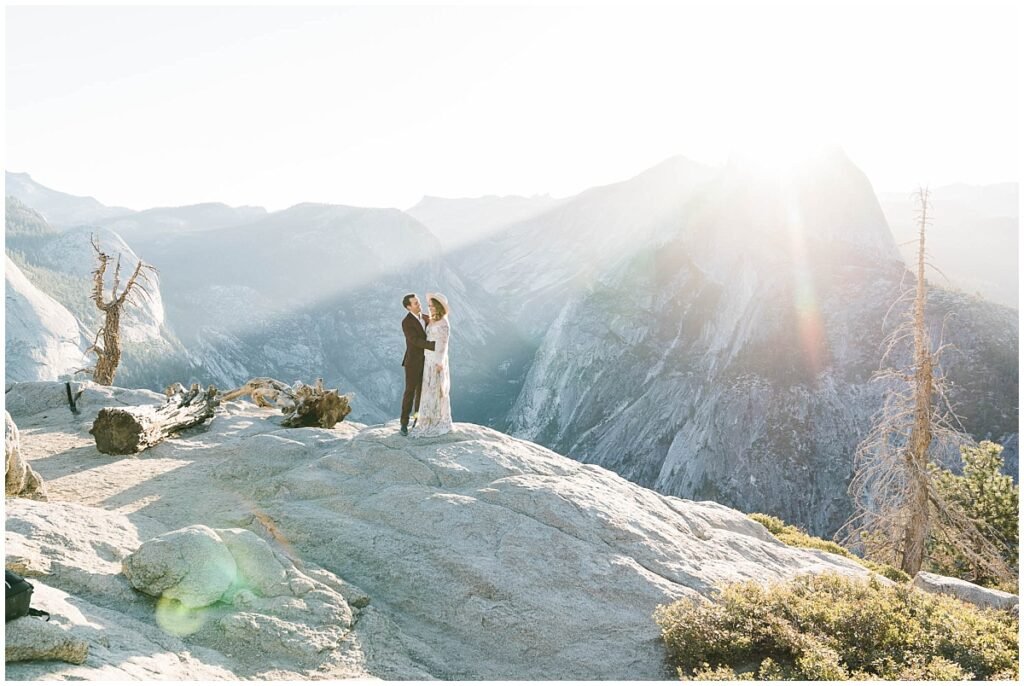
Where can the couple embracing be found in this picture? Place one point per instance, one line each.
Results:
(427, 383)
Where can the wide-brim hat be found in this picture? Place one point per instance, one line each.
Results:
(439, 297)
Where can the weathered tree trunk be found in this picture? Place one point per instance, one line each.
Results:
(129, 430)
(305, 405)
(108, 357)
(921, 433)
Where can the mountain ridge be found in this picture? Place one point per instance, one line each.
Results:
(737, 300)
(58, 207)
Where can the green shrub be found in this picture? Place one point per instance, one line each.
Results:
(774, 525)
(828, 627)
(706, 673)
(791, 535)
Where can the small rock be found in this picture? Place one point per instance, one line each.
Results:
(31, 638)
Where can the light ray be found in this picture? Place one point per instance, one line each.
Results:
(810, 324)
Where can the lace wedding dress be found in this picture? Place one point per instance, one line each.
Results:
(435, 416)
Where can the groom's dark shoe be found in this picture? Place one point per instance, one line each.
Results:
(405, 431)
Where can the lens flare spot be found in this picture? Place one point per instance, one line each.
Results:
(177, 619)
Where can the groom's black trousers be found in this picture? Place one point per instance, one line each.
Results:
(413, 387)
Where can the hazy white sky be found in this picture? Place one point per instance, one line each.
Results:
(377, 106)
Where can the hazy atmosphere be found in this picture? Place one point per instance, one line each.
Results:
(271, 106)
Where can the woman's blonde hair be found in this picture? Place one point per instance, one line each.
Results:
(439, 309)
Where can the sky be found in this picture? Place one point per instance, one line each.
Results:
(378, 106)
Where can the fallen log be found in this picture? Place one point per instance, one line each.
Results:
(129, 430)
(305, 405)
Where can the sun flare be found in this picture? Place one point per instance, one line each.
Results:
(778, 154)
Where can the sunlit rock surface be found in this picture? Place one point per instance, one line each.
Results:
(470, 556)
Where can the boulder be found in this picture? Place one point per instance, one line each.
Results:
(190, 565)
(19, 478)
(199, 566)
(966, 591)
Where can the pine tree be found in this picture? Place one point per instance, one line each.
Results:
(991, 500)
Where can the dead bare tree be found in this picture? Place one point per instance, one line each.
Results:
(897, 504)
(108, 355)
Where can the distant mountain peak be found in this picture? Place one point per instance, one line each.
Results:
(58, 208)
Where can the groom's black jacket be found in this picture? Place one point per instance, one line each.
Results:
(415, 343)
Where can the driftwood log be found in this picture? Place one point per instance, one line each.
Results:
(129, 430)
(303, 404)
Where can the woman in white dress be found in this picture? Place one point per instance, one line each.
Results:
(435, 417)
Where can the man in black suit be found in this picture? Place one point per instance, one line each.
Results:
(414, 326)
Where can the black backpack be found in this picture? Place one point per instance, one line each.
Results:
(18, 602)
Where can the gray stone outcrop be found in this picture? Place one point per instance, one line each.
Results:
(966, 591)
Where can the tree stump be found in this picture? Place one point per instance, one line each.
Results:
(305, 405)
(129, 430)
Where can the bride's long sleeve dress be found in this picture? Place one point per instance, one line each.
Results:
(435, 416)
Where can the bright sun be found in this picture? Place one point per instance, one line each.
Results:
(780, 139)
(778, 153)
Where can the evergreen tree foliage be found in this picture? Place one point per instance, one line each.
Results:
(991, 500)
